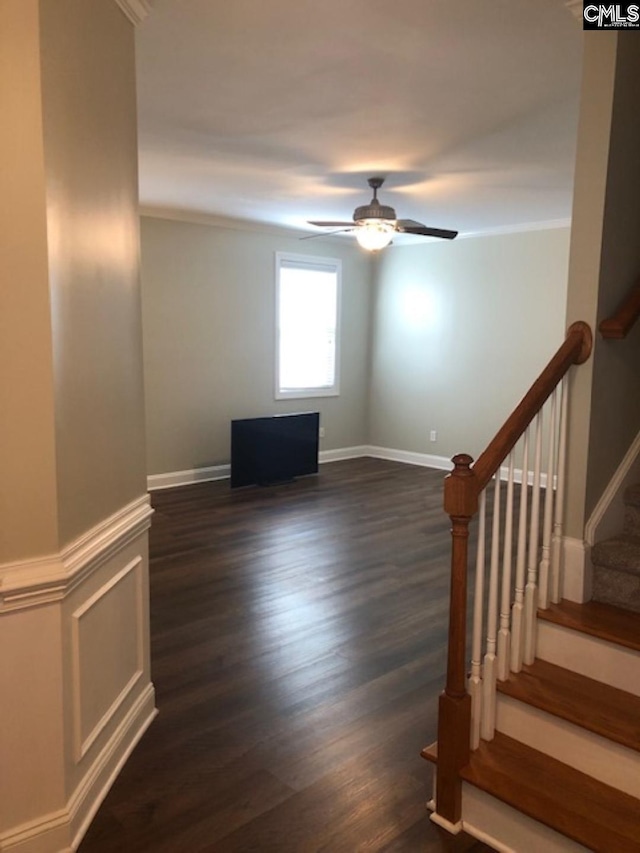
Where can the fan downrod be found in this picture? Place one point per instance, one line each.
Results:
(375, 183)
(374, 210)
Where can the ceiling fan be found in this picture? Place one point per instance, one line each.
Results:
(375, 223)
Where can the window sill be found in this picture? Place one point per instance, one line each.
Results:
(307, 393)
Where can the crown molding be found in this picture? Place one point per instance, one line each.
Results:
(199, 218)
(135, 10)
(519, 228)
(216, 221)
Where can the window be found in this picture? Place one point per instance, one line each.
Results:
(307, 326)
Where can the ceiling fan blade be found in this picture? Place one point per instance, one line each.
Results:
(333, 224)
(408, 223)
(410, 226)
(326, 233)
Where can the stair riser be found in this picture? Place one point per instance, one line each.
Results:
(614, 665)
(508, 830)
(617, 588)
(609, 762)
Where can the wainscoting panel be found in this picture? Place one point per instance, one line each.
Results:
(107, 653)
(74, 629)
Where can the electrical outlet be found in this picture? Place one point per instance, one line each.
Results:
(321, 432)
(433, 435)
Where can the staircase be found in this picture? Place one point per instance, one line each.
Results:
(539, 742)
(616, 561)
(562, 772)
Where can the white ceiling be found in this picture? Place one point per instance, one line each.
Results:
(277, 111)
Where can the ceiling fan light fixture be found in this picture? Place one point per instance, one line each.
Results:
(375, 234)
(374, 224)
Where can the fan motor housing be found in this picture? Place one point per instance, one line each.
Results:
(374, 211)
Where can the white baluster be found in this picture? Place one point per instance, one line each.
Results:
(531, 589)
(475, 679)
(543, 570)
(504, 634)
(556, 540)
(489, 670)
(517, 611)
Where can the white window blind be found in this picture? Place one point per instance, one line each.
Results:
(308, 302)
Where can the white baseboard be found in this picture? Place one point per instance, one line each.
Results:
(442, 463)
(97, 783)
(342, 453)
(50, 832)
(409, 457)
(172, 479)
(185, 478)
(75, 720)
(451, 828)
(63, 830)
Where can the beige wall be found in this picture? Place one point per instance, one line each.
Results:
(72, 425)
(461, 329)
(28, 518)
(209, 339)
(89, 110)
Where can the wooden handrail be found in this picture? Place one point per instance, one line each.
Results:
(575, 350)
(621, 322)
(462, 489)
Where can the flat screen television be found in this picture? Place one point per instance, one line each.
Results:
(273, 449)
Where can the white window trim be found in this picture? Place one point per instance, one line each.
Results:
(312, 261)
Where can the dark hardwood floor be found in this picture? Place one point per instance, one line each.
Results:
(298, 650)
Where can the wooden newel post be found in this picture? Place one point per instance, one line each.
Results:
(454, 711)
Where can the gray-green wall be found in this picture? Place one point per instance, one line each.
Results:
(460, 331)
(443, 336)
(209, 339)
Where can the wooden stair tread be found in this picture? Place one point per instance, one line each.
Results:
(430, 753)
(596, 815)
(599, 620)
(592, 705)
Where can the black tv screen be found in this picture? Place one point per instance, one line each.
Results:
(270, 450)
